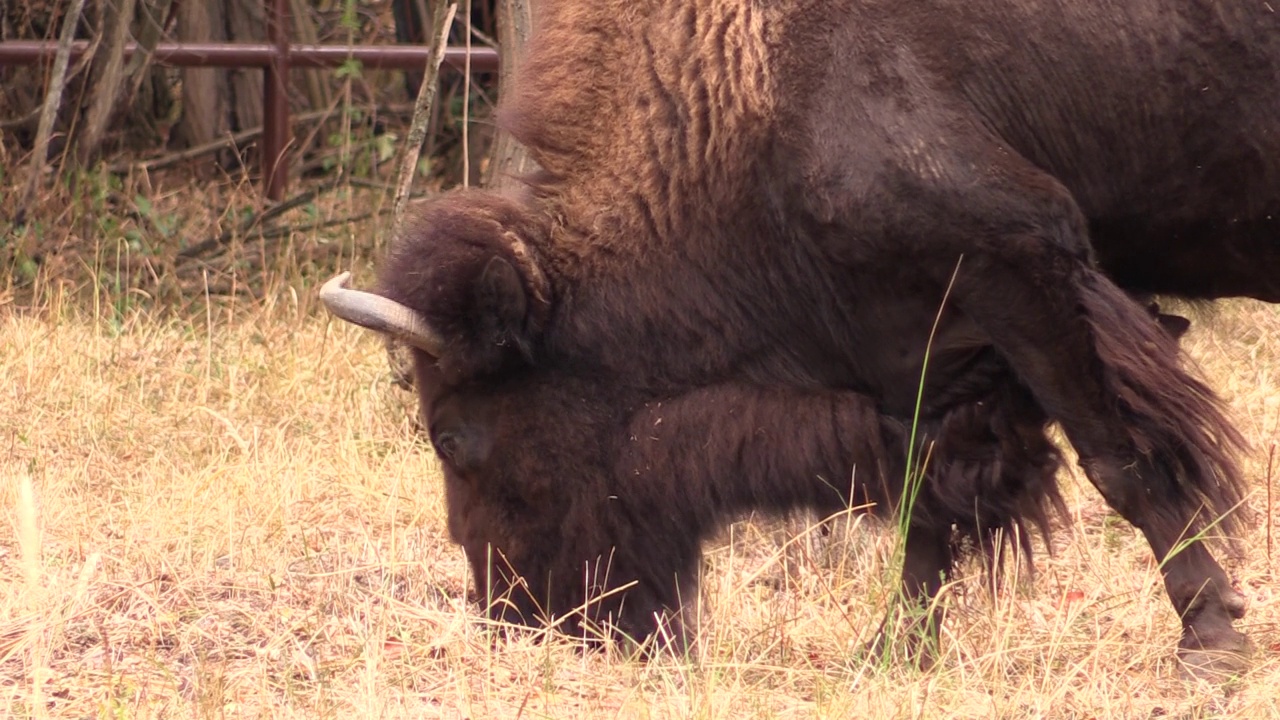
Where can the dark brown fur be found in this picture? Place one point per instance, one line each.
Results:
(748, 218)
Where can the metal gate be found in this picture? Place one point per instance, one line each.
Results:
(276, 57)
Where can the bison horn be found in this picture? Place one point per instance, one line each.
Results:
(379, 313)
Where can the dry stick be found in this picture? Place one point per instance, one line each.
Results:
(284, 230)
(20, 121)
(237, 139)
(183, 155)
(375, 185)
(422, 108)
(267, 237)
(248, 225)
(251, 226)
(52, 99)
(466, 106)
(1271, 457)
(484, 37)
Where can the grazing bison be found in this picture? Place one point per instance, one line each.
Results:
(754, 223)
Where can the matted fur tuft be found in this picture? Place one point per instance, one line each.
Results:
(1171, 417)
(987, 466)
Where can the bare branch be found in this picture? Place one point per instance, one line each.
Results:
(443, 17)
(52, 100)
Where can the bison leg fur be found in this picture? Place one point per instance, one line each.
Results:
(911, 625)
(1152, 438)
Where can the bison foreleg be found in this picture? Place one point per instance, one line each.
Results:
(912, 623)
(692, 464)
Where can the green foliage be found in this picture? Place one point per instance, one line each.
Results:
(384, 146)
(13, 245)
(350, 68)
(350, 20)
(165, 224)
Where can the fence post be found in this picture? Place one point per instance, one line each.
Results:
(275, 102)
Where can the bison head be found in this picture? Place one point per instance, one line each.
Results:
(523, 447)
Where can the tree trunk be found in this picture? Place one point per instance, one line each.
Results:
(216, 101)
(205, 94)
(246, 22)
(150, 102)
(107, 76)
(315, 83)
(509, 159)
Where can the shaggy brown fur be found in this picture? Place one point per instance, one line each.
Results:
(751, 213)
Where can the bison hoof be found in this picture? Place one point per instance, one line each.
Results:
(1214, 657)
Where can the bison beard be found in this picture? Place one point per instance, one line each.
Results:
(748, 217)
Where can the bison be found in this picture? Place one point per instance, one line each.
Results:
(776, 252)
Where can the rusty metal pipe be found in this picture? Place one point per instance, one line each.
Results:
(382, 57)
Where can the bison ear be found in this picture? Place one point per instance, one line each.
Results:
(503, 305)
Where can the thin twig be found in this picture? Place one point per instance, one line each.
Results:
(484, 37)
(466, 106)
(384, 187)
(285, 230)
(11, 123)
(252, 227)
(422, 108)
(1271, 457)
(235, 140)
(266, 235)
(255, 221)
(52, 100)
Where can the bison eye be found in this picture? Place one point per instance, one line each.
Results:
(464, 447)
(448, 444)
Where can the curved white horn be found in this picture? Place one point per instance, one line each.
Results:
(379, 313)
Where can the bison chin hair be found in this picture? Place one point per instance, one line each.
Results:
(467, 263)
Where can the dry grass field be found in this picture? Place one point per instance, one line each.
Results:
(225, 513)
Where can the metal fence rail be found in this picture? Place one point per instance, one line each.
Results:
(276, 57)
